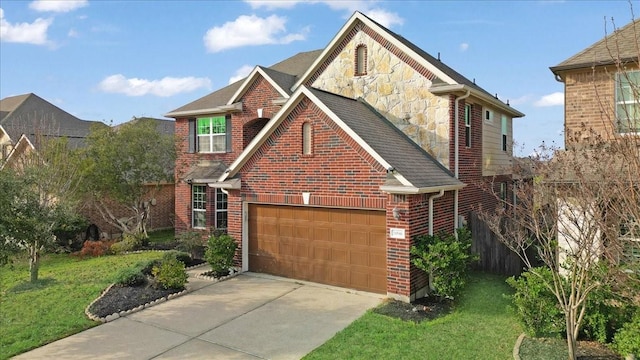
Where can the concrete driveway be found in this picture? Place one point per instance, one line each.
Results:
(249, 316)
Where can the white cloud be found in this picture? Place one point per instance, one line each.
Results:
(250, 30)
(167, 86)
(554, 99)
(57, 5)
(241, 73)
(272, 4)
(28, 33)
(383, 17)
(73, 33)
(464, 47)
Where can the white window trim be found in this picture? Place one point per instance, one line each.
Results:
(487, 115)
(218, 210)
(211, 137)
(620, 75)
(194, 210)
(467, 125)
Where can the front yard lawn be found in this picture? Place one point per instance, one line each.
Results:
(479, 327)
(32, 315)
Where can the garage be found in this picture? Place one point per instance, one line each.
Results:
(340, 247)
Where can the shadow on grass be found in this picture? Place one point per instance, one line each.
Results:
(29, 286)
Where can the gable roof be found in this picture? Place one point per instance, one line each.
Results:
(444, 74)
(622, 44)
(221, 100)
(411, 168)
(33, 116)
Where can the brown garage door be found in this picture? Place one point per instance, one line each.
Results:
(339, 247)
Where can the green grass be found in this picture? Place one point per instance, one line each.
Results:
(543, 349)
(480, 327)
(32, 315)
(162, 236)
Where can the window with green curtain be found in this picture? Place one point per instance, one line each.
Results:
(627, 101)
(212, 134)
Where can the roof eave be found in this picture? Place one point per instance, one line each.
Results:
(460, 88)
(409, 190)
(588, 65)
(218, 109)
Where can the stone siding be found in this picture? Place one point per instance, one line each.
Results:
(395, 89)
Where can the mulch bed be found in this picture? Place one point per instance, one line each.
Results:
(123, 298)
(426, 308)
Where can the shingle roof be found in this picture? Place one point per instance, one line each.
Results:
(285, 81)
(31, 115)
(293, 66)
(622, 44)
(407, 158)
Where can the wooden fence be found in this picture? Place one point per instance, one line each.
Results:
(495, 257)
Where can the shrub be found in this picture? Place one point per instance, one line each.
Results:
(181, 256)
(95, 248)
(605, 313)
(536, 306)
(191, 242)
(446, 260)
(627, 340)
(129, 242)
(67, 232)
(220, 252)
(170, 274)
(146, 267)
(131, 276)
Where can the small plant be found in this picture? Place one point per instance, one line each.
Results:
(146, 267)
(627, 339)
(129, 242)
(181, 256)
(446, 260)
(220, 252)
(170, 274)
(536, 306)
(131, 276)
(191, 242)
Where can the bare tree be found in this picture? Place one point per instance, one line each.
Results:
(579, 215)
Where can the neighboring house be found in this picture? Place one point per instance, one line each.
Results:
(598, 83)
(325, 166)
(26, 120)
(602, 103)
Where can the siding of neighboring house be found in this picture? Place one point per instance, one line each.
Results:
(495, 160)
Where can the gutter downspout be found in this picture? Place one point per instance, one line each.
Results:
(431, 198)
(456, 151)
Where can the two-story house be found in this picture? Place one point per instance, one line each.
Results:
(602, 107)
(28, 120)
(324, 166)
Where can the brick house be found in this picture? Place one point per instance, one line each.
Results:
(602, 104)
(594, 86)
(324, 166)
(26, 119)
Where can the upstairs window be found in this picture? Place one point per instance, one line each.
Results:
(306, 139)
(212, 134)
(488, 116)
(628, 102)
(505, 132)
(361, 60)
(467, 125)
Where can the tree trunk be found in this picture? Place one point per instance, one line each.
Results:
(571, 339)
(34, 262)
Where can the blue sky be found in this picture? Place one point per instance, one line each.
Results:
(113, 60)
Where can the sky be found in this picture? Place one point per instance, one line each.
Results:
(110, 60)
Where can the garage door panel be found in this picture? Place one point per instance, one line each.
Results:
(340, 247)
